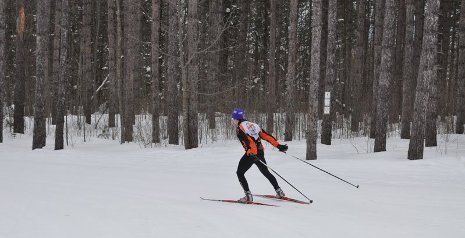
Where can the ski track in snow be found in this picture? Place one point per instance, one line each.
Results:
(103, 189)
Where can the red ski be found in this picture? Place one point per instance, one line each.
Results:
(237, 201)
(283, 199)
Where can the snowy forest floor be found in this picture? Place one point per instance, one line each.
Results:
(103, 189)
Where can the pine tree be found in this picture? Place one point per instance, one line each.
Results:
(19, 93)
(312, 133)
(111, 31)
(190, 82)
(385, 75)
(172, 74)
(460, 108)
(155, 71)
(271, 85)
(291, 67)
(62, 79)
(2, 62)
(326, 133)
(43, 14)
(426, 74)
(407, 77)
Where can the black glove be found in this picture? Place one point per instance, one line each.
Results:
(282, 148)
(255, 158)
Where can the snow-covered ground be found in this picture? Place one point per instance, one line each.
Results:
(103, 189)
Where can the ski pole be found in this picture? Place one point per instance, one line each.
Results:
(297, 158)
(310, 200)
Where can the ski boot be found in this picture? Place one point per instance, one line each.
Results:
(280, 193)
(247, 198)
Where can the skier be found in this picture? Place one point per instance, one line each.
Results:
(250, 135)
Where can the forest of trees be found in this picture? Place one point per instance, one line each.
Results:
(370, 63)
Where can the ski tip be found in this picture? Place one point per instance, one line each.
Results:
(358, 186)
(311, 201)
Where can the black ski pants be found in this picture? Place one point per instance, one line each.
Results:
(246, 162)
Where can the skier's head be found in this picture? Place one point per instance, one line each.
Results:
(237, 114)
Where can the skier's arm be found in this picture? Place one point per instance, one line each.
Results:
(264, 135)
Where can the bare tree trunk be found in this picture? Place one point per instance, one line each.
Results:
(213, 62)
(19, 93)
(396, 87)
(172, 75)
(55, 59)
(190, 82)
(331, 65)
(407, 76)
(2, 62)
(112, 97)
(155, 71)
(385, 75)
(119, 70)
(357, 69)
(43, 14)
(63, 77)
(290, 77)
(132, 39)
(426, 74)
(271, 85)
(460, 106)
(378, 38)
(312, 123)
(87, 59)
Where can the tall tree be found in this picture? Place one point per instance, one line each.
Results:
(111, 31)
(132, 36)
(43, 14)
(377, 42)
(312, 124)
(18, 125)
(291, 67)
(213, 59)
(326, 133)
(119, 69)
(271, 68)
(357, 76)
(86, 54)
(155, 71)
(426, 74)
(2, 62)
(62, 79)
(190, 101)
(407, 76)
(460, 106)
(396, 87)
(172, 74)
(385, 75)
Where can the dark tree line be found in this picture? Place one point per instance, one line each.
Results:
(371, 63)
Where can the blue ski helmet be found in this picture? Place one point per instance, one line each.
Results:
(238, 114)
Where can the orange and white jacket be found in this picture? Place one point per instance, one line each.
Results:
(250, 135)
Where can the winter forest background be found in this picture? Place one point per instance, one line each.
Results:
(171, 71)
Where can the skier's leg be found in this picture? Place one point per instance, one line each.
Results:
(244, 164)
(264, 170)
